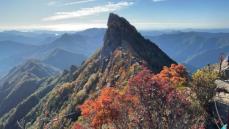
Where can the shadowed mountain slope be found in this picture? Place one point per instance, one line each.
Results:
(21, 82)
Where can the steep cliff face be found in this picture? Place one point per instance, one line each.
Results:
(123, 53)
(121, 34)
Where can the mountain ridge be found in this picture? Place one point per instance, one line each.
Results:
(22, 81)
(112, 65)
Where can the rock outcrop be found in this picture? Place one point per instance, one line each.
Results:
(220, 101)
(225, 68)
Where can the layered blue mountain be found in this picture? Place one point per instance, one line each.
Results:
(11, 53)
(32, 38)
(195, 49)
(63, 59)
(190, 48)
(74, 47)
(83, 42)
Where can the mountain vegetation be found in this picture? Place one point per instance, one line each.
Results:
(21, 82)
(36, 91)
(148, 101)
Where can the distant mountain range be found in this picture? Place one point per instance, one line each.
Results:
(189, 48)
(84, 42)
(73, 48)
(63, 59)
(31, 38)
(12, 53)
(194, 48)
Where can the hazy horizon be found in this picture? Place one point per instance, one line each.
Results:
(209, 30)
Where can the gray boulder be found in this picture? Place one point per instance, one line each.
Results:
(220, 102)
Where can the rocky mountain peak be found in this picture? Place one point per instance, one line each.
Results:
(119, 30)
(121, 34)
(114, 21)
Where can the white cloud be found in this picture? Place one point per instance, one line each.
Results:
(88, 11)
(78, 2)
(67, 3)
(158, 0)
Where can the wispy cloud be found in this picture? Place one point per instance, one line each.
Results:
(78, 2)
(67, 3)
(158, 0)
(88, 11)
(50, 3)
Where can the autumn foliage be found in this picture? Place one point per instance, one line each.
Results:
(149, 101)
(78, 126)
(162, 104)
(174, 75)
(108, 108)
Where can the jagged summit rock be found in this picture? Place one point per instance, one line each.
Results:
(121, 34)
(119, 22)
(119, 29)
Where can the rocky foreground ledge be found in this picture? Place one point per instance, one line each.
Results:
(221, 100)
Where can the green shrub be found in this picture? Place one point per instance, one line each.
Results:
(203, 84)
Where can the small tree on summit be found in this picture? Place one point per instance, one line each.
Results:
(221, 59)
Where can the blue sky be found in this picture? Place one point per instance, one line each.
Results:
(82, 14)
